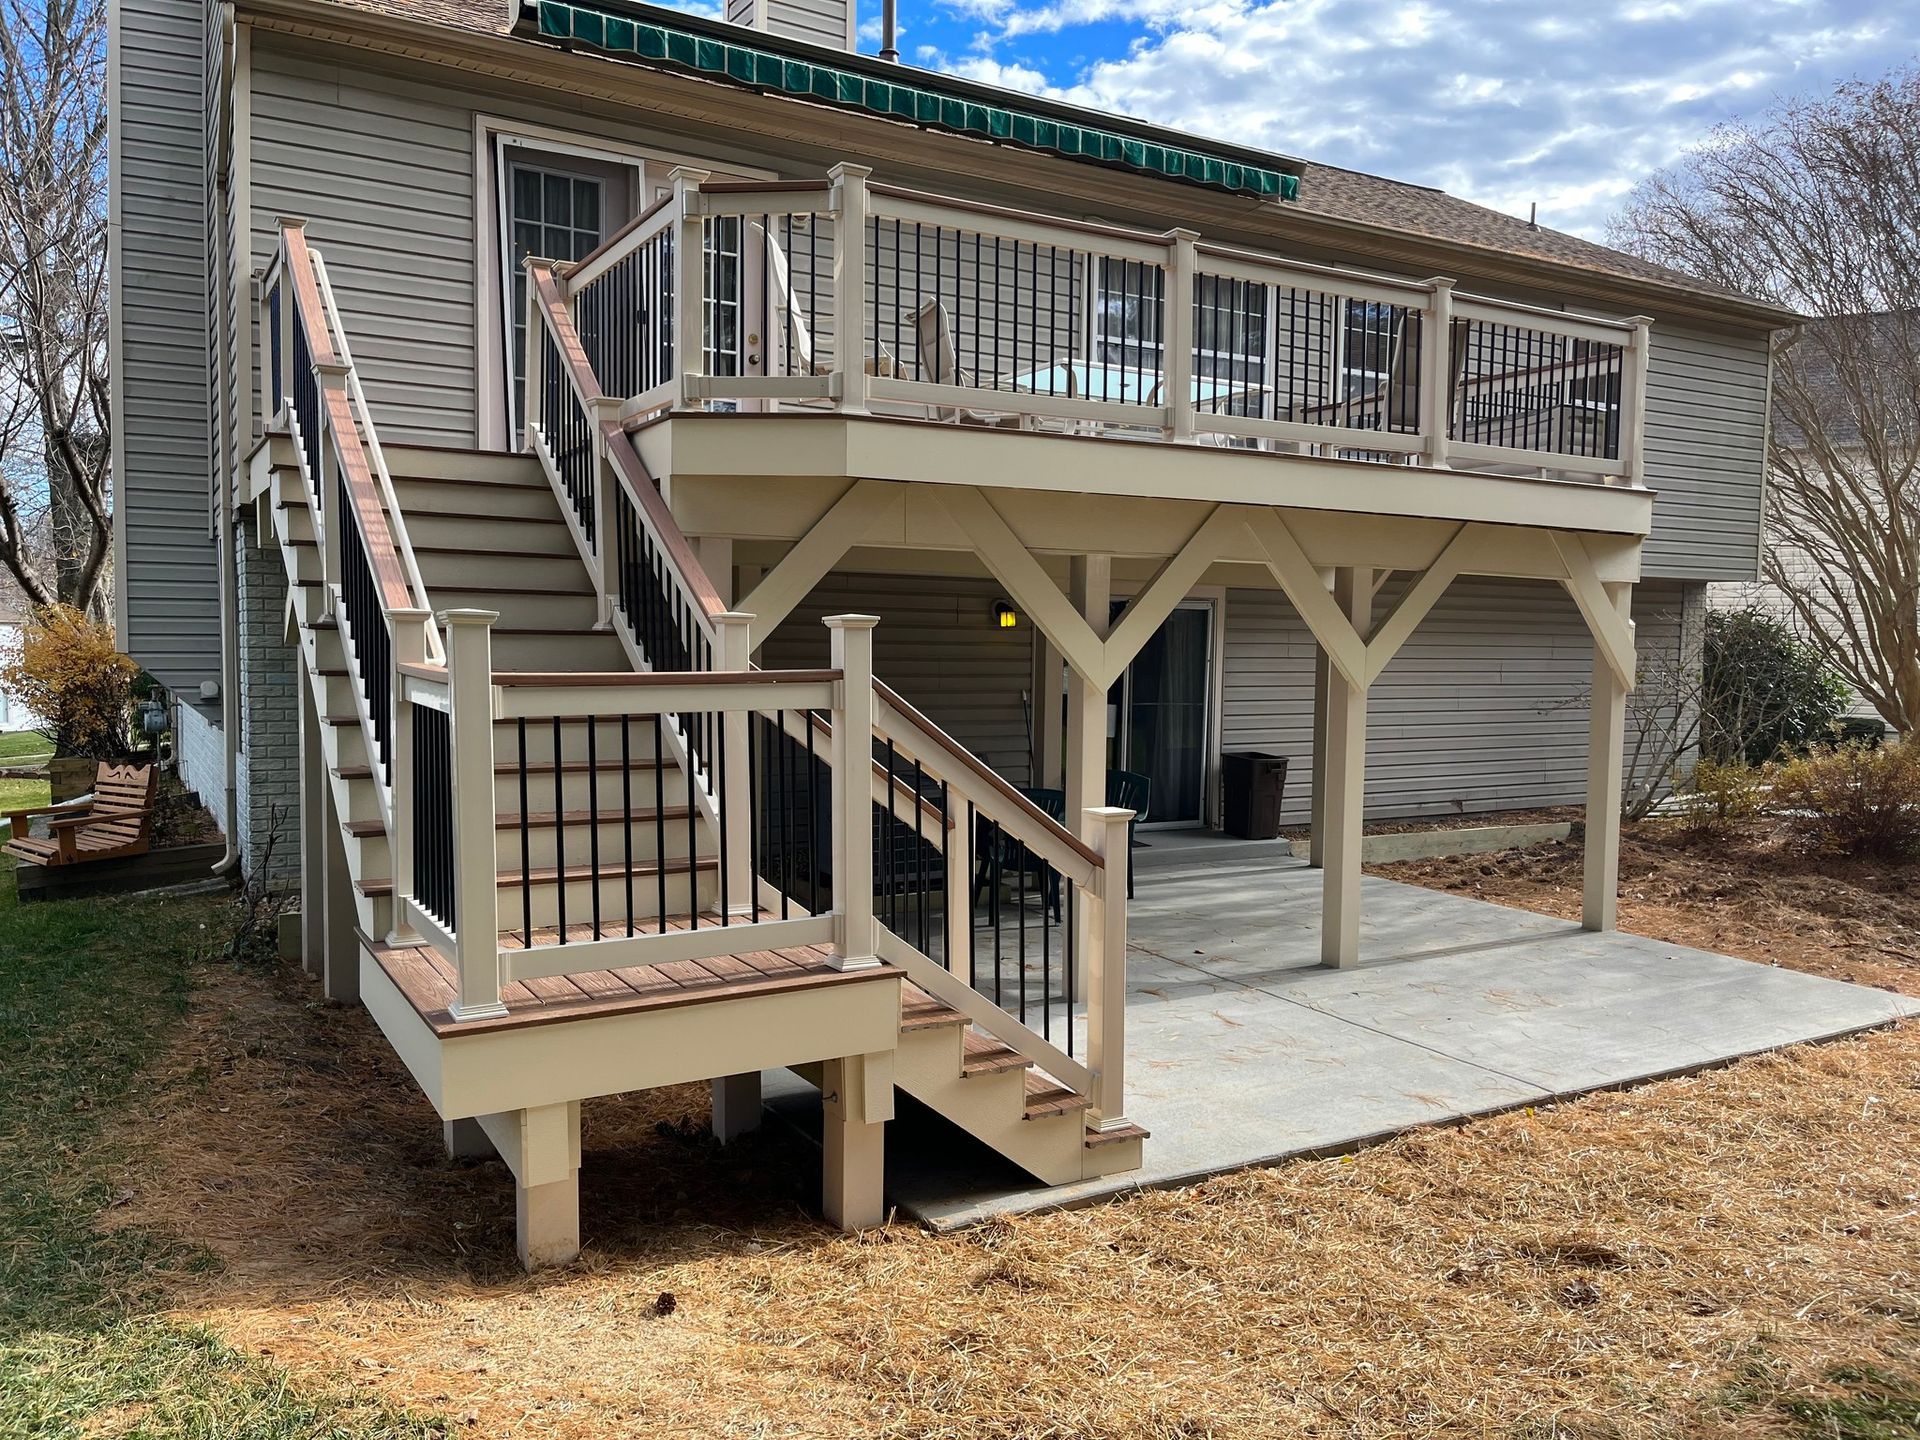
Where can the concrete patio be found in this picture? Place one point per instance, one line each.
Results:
(1242, 1051)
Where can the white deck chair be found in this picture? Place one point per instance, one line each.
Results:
(799, 336)
(938, 359)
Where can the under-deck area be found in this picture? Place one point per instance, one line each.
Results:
(1244, 1050)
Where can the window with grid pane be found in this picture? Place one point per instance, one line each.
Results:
(556, 216)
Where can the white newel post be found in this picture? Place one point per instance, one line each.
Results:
(852, 758)
(959, 888)
(469, 645)
(734, 650)
(1633, 401)
(1182, 265)
(409, 648)
(1107, 971)
(604, 410)
(532, 379)
(849, 202)
(1436, 373)
(689, 287)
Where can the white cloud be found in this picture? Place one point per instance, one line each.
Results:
(1567, 103)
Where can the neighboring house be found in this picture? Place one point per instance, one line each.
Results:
(1143, 448)
(13, 714)
(1823, 392)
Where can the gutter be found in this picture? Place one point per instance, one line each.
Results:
(229, 592)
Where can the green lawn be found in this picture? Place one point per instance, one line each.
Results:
(90, 992)
(19, 745)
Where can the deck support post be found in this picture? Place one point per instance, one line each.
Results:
(851, 650)
(315, 802)
(1107, 965)
(857, 1096)
(476, 931)
(1317, 762)
(1346, 773)
(736, 1105)
(541, 1146)
(340, 964)
(1049, 712)
(1091, 584)
(1606, 758)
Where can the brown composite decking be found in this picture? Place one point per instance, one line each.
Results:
(429, 982)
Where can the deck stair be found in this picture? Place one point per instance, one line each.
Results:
(630, 832)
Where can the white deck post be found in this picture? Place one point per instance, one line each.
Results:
(857, 1094)
(1107, 971)
(1049, 711)
(849, 201)
(1182, 265)
(1633, 401)
(340, 959)
(735, 653)
(1436, 363)
(603, 411)
(959, 889)
(469, 645)
(1346, 776)
(532, 364)
(1606, 759)
(409, 648)
(1092, 594)
(689, 287)
(852, 758)
(315, 802)
(541, 1146)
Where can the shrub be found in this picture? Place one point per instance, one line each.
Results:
(1720, 797)
(65, 668)
(1762, 692)
(1854, 799)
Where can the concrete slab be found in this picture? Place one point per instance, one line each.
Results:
(1242, 1051)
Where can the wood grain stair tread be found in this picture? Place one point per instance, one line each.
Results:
(1047, 1096)
(1098, 1138)
(577, 874)
(982, 1054)
(920, 1011)
(364, 829)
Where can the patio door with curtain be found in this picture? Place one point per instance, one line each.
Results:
(1160, 711)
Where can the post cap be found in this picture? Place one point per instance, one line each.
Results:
(691, 174)
(468, 617)
(851, 622)
(1110, 814)
(847, 170)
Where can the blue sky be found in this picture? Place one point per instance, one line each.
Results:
(1507, 102)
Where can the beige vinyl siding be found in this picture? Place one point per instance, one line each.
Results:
(165, 571)
(1706, 429)
(937, 645)
(825, 22)
(1483, 709)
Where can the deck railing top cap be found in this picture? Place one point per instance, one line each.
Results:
(851, 622)
(469, 617)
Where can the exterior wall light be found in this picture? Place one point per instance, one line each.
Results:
(1004, 615)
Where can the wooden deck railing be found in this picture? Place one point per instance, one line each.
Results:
(862, 297)
(370, 579)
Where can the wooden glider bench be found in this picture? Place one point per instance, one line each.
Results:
(116, 822)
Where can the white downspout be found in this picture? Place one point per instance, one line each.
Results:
(229, 591)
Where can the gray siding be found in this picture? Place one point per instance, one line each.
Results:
(1706, 453)
(166, 573)
(1482, 709)
(936, 644)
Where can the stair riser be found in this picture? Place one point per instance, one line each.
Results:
(682, 899)
(990, 1107)
(576, 844)
(573, 741)
(540, 653)
(544, 612)
(429, 497)
(561, 573)
(506, 534)
(410, 464)
(578, 791)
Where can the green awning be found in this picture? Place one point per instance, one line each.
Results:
(805, 79)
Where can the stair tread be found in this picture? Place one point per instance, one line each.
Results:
(1129, 1131)
(920, 1011)
(982, 1054)
(1047, 1096)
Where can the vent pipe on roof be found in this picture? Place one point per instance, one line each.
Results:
(888, 48)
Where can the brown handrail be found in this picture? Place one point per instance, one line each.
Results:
(620, 235)
(566, 339)
(639, 482)
(979, 767)
(375, 535)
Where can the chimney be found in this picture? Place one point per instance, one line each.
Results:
(824, 22)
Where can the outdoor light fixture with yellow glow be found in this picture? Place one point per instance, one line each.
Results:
(1004, 615)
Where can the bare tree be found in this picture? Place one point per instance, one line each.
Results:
(56, 416)
(1812, 207)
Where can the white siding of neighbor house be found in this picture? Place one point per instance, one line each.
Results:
(165, 572)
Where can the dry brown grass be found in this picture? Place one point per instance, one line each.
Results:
(1664, 1262)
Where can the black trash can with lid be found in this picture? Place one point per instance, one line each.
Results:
(1252, 783)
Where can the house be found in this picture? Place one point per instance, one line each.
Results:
(13, 714)
(510, 395)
